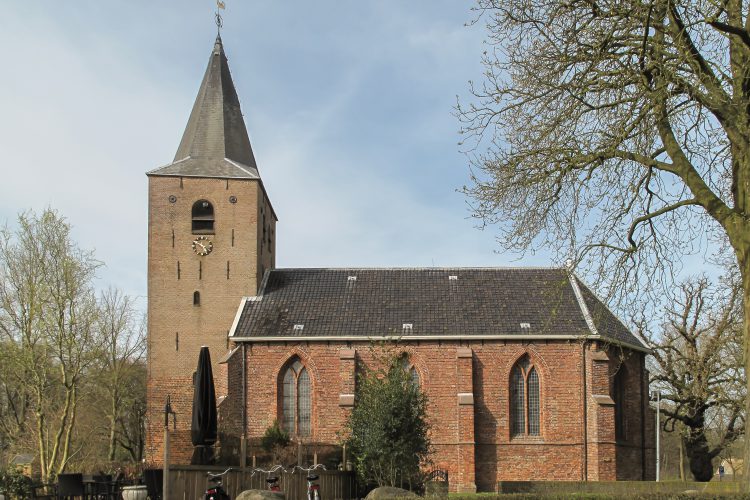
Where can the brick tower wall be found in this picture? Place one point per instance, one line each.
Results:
(176, 327)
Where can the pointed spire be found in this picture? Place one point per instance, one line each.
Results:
(215, 142)
(216, 128)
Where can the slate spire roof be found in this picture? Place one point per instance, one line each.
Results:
(420, 304)
(215, 142)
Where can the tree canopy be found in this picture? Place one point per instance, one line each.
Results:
(697, 366)
(64, 351)
(616, 133)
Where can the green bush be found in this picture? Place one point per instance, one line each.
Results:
(13, 484)
(388, 429)
(275, 437)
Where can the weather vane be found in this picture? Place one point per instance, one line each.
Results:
(219, 21)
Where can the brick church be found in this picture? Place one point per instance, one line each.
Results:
(529, 376)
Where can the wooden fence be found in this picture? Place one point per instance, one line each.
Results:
(189, 482)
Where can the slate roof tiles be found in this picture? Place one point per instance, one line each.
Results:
(215, 142)
(378, 302)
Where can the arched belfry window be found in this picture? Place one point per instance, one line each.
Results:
(203, 217)
(618, 394)
(524, 399)
(408, 367)
(295, 399)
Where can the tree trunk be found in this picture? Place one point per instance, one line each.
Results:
(113, 411)
(745, 270)
(696, 448)
(682, 458)
(41, 443)
(69, 433)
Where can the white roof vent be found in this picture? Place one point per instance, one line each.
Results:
(351, 278)
(526, 326)
(299, 327)
(452, 278)
(408, 327)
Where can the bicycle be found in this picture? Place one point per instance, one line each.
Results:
(216, 492)
(313, 488)
(273, 483)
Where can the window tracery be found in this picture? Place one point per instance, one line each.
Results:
(524, 399)
(296, 399)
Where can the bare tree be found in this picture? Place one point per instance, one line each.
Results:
(47, 315)
(616, 132)
(131, 424)
(123, 337)
(698, 367)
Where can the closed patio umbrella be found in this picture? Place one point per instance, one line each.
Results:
(203, 430)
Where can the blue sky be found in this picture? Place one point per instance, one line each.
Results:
(348, 105)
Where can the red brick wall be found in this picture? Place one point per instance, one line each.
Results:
(176, 328)
(472, 441)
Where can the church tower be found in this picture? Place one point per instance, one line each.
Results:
(211, 237)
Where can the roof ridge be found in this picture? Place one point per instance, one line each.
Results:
(582, 304)
(609, 310)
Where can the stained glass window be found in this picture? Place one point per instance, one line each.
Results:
(517, 389)
(414, 376)
(295, 400)
(524, 399)
(409, 368)
(303, 398)
(533, 402)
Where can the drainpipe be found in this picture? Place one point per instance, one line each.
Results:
(585, 415)
(658, 434)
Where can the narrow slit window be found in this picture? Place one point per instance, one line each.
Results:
(196, 298)
(203, 217)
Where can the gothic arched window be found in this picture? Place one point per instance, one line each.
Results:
(409, 368)
(524, 399)
(203, 217)
(618, 394)
(295, 399)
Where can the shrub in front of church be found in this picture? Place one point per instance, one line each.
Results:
(388, 428)
(276, 441)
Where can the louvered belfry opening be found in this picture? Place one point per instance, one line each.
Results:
(203, 217)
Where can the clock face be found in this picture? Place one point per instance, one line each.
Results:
(202, 245)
